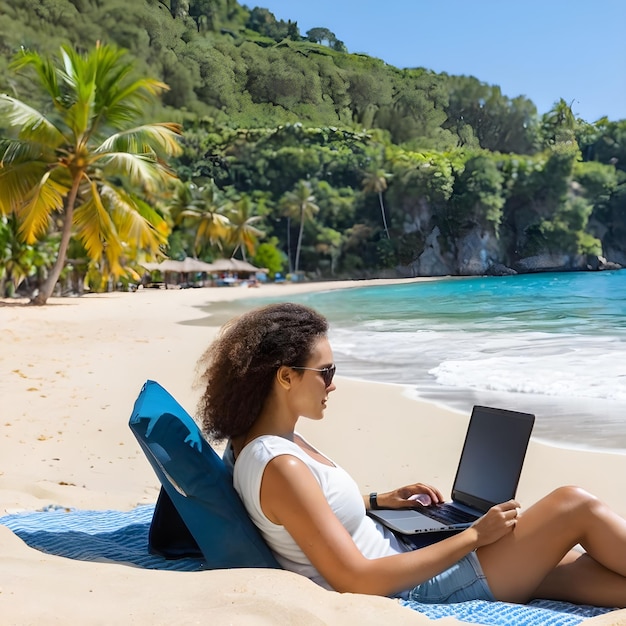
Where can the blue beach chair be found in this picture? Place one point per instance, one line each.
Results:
(198, 512)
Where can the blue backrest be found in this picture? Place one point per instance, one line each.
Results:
(197, 482)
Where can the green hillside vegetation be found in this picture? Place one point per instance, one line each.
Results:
(399, 171)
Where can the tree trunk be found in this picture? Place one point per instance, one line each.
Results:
(289, 244)
(382, 211)
(47, 287)
(299, 240)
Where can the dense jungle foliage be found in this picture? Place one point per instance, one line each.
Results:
(302, 156)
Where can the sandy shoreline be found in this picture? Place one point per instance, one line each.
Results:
(69, 374)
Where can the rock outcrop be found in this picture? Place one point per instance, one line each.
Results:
(480, 253)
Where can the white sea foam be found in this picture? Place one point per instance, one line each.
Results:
(576, 369)
(530, 363)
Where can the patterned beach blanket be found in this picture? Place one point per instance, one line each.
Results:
(122, 537)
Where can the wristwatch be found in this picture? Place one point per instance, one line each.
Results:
(374, 501)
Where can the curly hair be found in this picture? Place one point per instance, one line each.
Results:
(238, 368)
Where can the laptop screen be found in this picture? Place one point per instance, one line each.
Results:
(492, 457)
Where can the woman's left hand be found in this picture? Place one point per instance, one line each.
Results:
(410, 497)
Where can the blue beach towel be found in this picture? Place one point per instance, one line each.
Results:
(122, 537)
(536, 613)
(118, 536)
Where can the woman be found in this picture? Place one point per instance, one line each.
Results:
(274, 365)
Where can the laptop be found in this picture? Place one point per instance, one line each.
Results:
(488, 473)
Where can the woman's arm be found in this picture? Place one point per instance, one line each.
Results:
(291, 497)
(401, 498)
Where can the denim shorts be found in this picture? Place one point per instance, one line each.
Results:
(462, 582)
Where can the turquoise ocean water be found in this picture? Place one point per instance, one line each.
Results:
(551, 344)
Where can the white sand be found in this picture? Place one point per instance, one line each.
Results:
(69, 374)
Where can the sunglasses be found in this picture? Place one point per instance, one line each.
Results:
(326, 372)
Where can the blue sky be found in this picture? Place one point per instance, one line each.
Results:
(541, 49)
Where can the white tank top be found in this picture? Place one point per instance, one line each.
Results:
(343, 495)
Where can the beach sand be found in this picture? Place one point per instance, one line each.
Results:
(69, 374)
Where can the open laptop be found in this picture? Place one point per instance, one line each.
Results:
(488, 473)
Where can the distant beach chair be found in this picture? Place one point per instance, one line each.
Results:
(198, 509)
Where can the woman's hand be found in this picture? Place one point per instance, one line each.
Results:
(498, 521)
(410, 497)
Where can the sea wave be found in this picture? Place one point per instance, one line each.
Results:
(582, 375)
(529, 363)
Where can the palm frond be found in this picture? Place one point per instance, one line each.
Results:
(33, 125)
(110, 71)
(160, 138)
(141, 169)
(96, 229)
(17, 183)
(123, 104)
(118, 99)
(39, 203)
(245, 236)
(212, 228)
(80, 114)
(43, 67)
(139, 89)
(79, 118)
(137, 223)
(146, 210)
(14, 152)
(243, 220)
(216, 237)
(78, 75)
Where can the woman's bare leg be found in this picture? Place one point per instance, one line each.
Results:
(579, 578)
(535, 560)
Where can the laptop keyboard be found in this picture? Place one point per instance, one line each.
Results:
(448, 515)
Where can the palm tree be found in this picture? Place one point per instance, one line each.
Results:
(559, 123)
(375, 181)
(243, 234)
(329, 242)
(300, 202)
(202, 208)
(65, 160)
